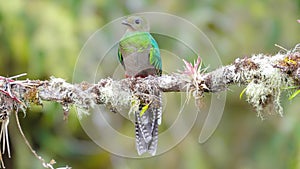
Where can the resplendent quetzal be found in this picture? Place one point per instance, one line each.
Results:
(139, 55)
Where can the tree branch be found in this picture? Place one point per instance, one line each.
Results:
(265, 77)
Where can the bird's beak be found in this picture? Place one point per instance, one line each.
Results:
(125, 22)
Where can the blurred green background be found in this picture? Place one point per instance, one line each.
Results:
(44, 38)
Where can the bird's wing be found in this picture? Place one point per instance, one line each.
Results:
(120, 57)
(154, 56)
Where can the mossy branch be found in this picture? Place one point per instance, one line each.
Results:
(265, 77)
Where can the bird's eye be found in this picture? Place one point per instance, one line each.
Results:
(137, 21)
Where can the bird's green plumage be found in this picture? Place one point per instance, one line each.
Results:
(139, 42)
(155, 58)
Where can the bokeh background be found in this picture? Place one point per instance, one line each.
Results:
(44, 38)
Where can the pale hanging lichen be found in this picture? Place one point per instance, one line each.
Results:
(264, 81)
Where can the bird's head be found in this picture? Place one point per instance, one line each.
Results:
(136, 24)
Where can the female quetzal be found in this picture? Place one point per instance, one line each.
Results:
(139, 54)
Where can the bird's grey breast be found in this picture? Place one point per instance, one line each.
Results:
(137, 63)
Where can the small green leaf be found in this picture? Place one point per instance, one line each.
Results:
(242, 93)
(294, 94)
(290, 87)
(144, 109)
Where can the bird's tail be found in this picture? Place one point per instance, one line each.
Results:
(146, 127)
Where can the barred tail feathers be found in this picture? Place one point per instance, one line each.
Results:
(146, 127)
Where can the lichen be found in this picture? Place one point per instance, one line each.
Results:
(109, 96)
(264, 83)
